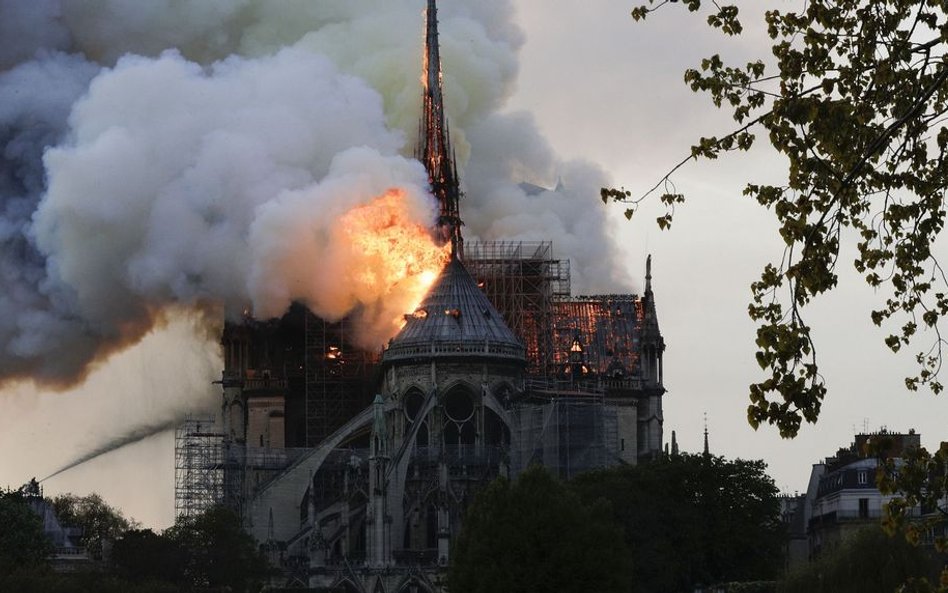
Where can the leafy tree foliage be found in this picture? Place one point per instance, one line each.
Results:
(918, 480)
(693, 520)
(869, 562)
(100, 522)
(143, 555)
(217, 552)
(23, 545)
(536, 535)
(855, 98)
(209, 552)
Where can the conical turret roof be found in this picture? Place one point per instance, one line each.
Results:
(455, 320)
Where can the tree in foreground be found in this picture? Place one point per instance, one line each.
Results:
(217, 552)
(143, 555)
(100, 522)
(23, 545)
(853, 95)
(867, 562)
(536, 535)
(692, 520)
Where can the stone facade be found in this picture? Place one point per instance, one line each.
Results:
(374, 501)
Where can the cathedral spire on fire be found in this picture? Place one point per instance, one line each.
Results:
(434, 143)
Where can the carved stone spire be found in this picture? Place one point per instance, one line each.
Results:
(434, 146)
(650, 322)
(648, 274)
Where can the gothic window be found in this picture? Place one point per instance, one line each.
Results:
(459, 405)
(459, 421)
(414, 400)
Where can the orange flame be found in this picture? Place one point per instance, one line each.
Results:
(401, 258)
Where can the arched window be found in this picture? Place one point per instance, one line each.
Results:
(459, 417)
(413, 401)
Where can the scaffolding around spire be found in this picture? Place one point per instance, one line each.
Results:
(434, 144)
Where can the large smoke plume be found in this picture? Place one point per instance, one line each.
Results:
(185, 153)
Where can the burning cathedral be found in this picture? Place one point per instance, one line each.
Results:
(353, 468)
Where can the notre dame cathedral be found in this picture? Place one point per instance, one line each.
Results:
(353, 469)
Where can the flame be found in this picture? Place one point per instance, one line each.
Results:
(399, 256)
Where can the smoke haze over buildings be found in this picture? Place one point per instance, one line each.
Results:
(199, 154)
(167, 163)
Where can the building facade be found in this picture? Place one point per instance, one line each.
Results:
(353, 469)
(842, 496)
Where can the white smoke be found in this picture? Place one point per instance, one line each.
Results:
(151, 200)
(322, 267)
(170, 154)
(507, 148)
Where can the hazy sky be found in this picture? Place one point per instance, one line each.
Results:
(609, 91)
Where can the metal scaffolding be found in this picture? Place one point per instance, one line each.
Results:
(338, 377)
(522, 280)
(199, 468)
(568, 435)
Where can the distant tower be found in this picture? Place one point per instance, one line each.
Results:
(652, 349)
(434, 144)
(707, 450)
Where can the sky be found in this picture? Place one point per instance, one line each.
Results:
(584, 94)
(610, 90)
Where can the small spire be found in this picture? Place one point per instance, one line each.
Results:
(379, 428)
(650, 319)
(674, 444)
(707, 450)
(648, 274)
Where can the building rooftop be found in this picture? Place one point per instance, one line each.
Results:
(455, 319)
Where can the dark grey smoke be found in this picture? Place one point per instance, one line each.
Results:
(35, 101)
(28, 27)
